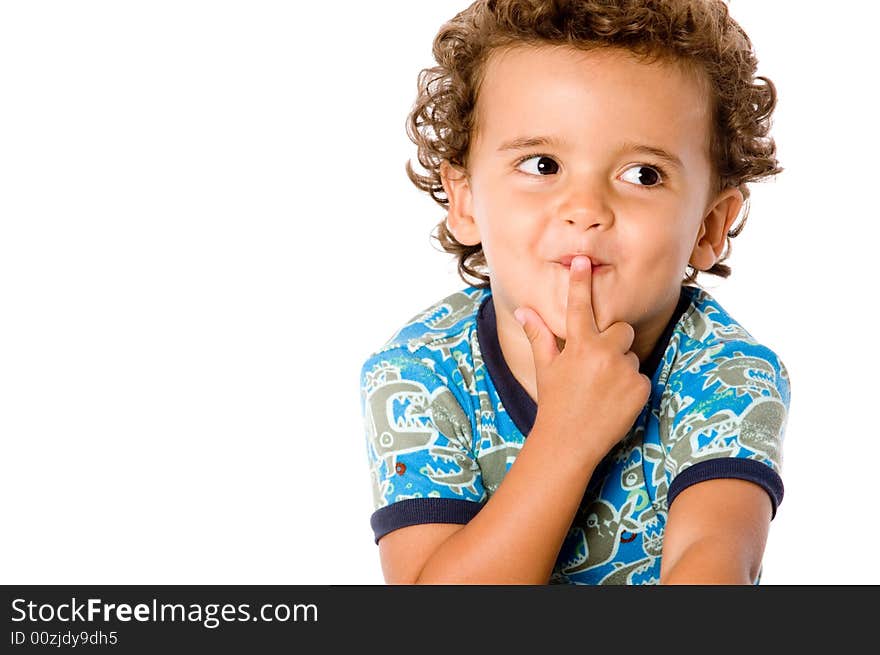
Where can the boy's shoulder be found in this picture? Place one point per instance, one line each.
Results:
(706, 323)
(709, 344)
(445, 320)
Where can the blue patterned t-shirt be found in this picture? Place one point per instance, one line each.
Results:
(445, 419)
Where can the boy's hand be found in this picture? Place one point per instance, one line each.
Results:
(591, 392)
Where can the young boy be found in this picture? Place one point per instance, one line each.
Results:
(582, 414)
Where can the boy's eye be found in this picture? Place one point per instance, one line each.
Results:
(644, 175)
(538, 165)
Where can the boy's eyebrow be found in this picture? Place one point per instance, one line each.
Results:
(524, 143)
(660, 153)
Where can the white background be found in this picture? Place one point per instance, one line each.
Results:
(205, 227)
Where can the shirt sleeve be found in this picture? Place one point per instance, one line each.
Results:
(726, 418)
(419, 445)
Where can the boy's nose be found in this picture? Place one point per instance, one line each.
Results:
(585, 207)
(586, 220)
(585, 217)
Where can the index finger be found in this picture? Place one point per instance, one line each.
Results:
(580, 322)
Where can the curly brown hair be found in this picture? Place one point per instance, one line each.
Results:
(698, 34)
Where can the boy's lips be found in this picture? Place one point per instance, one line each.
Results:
(565, 260)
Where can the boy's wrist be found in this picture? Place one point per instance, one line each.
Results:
(574, 445)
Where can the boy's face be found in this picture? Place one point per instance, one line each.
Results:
(589, 189)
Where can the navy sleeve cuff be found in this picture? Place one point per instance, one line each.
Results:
(729, 467)
(414, 511)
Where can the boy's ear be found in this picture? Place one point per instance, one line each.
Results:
(459, 219)
(712, 236)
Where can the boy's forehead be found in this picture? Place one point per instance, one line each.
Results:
(607, 91)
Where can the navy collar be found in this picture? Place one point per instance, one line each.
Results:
(519, 405)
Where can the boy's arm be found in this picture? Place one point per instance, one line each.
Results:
(516, 536)
(589, 395)
(716, 533)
